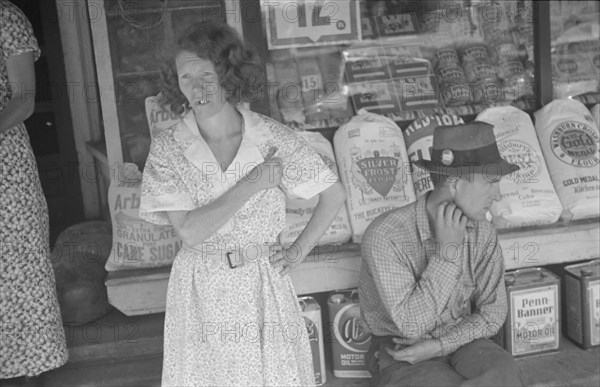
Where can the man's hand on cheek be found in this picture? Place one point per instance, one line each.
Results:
(450, 226)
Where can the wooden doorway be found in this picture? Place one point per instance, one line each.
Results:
(50, 128)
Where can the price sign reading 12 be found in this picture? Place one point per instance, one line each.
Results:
(302, 23)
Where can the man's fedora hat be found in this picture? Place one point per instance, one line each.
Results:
(466, 149)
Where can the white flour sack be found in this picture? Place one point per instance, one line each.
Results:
(159, 118)
(528, 196)
(374, 169)
(419, 140)
(570, 142)
(136, 243)
(299, 211)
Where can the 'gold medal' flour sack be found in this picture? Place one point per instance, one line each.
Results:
(419, 139)
(374, 169)
(570, 143)
(528, 196)
(299, 211)
(136, 244)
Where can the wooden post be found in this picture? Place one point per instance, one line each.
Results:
(542, 47)
(106, 83)
(73, 24)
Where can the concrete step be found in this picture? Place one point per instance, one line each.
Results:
(571, 366)
(115, 350)
(127, 351)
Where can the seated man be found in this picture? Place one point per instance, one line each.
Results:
(432, 280)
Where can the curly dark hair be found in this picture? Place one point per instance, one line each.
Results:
(238, 66)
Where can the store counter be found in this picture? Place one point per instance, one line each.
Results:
(138, 292)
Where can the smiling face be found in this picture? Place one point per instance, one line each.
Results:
(199, 82)
(475, 196)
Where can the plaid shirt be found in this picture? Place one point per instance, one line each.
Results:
(407, 289)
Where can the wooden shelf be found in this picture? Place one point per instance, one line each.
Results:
(329, 268)
(558, 243)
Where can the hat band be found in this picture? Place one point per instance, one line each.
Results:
(466, 158)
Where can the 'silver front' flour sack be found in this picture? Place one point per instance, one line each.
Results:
(299, 211)
(419, 140)
(570, 143)
(374, 168)
(528, 196)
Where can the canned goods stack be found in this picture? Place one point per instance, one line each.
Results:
(481, 74)
(451, 77)
(517, 83)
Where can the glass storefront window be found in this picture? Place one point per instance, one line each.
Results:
(575, 43)
(138, 31)
(408, 58)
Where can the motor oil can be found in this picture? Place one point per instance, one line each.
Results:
(582, 297)
(533, 322)
(349, 339)
(311, 311)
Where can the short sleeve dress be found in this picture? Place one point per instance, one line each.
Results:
(229, 326)
(32, 339)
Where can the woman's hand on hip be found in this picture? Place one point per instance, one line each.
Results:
(286, 259)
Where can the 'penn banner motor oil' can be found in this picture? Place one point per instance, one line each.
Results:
(311, 311)
(533, 323)
(349, 339)
(582, 298)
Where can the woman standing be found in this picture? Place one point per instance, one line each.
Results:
(220, 176)
(32, 337)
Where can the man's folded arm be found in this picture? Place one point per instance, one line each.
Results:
(408, 300)
(489, 302)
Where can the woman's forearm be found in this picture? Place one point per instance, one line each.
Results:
(329, 204)
(196, 226)
(17, 110)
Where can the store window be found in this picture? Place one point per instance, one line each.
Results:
(138, 33)
(576, 50)
(403, 59)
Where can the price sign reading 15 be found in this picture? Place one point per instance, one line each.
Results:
(301, 23)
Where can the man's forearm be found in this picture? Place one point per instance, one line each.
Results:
(455, 334)
(430, 295)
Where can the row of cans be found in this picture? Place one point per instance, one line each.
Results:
(345, 333)
(467, 75)
(533, 324)
(535, 320)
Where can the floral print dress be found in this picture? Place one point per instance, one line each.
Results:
(32, 338)
(224, 326)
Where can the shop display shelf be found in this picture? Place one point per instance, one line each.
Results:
(334, 267)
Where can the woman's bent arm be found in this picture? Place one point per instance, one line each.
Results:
(196, 226)
(330, 201)
(21, 78)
